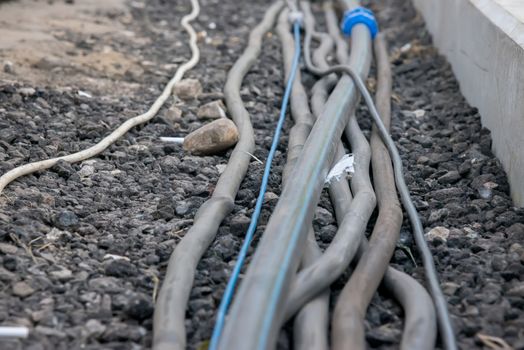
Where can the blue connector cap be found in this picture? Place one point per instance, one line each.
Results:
(359, 15)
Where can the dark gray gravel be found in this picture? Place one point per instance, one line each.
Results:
(83, 245)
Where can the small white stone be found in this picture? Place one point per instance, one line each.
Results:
(137, 148)
(55, 234)
(94, 327)
(115, 257)
(438, 232)
(62, 275)
(405, 48)
(86, 171)
(221, 168)
(270, 196)
(419, 113)
(470, 233)
(84, 94)
(28, 91)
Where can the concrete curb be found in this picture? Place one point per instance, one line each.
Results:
(484, 42)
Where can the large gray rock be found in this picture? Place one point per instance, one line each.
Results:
(212, 138)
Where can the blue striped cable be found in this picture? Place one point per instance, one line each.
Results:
(230, 289)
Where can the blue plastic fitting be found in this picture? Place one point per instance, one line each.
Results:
(359, 15)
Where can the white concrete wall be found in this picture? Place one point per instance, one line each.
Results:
(484, 42)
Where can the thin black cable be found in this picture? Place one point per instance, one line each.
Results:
(445, 325)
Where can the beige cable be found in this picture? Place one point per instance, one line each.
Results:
(127, 125)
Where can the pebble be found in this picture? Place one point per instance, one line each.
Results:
(139, 307)
(438, 232)
(117, 331)
(212, 110)
(225, 248)
(221, 168)
(86, 171)
(94, 327)
(323, 216)
(62, 275)
(517, 291)
(437, 215)
(212, 138)
(55, 234)
(450, 288)
(173, 116)
(22, 289)
(239, 224)
(419, 113)
(27, 91)
(105, 284)
(498, 262)
(10, 262)
(6, 276)
(327, 233)
(115, 257)
(516, 232)
(270, 197)
(48, 331)
(182, 208)
(65, 219)
(9, 67)
(450, 177)
(188, 89)
(486, 190)
(120, 268)
(8, 248)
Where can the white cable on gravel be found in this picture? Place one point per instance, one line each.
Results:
(127, 125)
(14, 332)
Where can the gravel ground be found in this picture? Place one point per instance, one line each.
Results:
(64, 232)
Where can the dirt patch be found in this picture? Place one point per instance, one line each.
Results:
(68, 45)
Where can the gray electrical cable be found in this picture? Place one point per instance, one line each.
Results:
(310, 327)
(420, 324)
(337, 257)
(350, 310)
(258, 309)
(418, 307)
(445, 325)
(169, 318)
